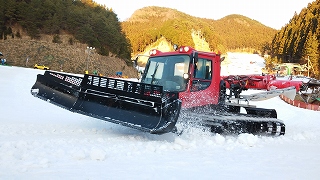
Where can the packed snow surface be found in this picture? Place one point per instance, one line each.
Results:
(242, 64)
(41, 141)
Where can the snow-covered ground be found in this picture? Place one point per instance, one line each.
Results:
(242, 63)
(41, 141)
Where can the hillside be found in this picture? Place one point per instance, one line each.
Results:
(56, 33)
(84, 20)
(62, 56)
(73, 26)
(163, 44)
(149, 24)
(242, 32)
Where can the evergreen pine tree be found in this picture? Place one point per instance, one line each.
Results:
(312, 53)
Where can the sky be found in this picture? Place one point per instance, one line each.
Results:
(272, 13)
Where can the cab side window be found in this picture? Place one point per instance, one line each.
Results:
(203, 69)
(202, 75)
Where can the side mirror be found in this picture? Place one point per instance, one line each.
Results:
(222, 59)
(135, 61)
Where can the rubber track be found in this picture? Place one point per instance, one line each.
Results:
(228, 123)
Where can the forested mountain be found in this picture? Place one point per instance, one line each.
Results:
(85, 20)
(240, 32)
(99, 27)
(300, 39)
(90, 24)
(148, 24)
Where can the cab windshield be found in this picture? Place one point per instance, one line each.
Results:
(167, 71)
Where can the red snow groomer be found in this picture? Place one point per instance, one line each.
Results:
(183, 86)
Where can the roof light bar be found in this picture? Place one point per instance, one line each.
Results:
(184, 49)
(153, 52)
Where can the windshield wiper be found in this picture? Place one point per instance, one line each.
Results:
(154, 73)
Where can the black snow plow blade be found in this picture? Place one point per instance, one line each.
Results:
(137, 105)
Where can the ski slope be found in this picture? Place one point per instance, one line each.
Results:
(41, 141)
(242, 64)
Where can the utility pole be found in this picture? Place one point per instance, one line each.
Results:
(88, 50)
(308, 66)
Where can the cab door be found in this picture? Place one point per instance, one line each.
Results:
(200, 91)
